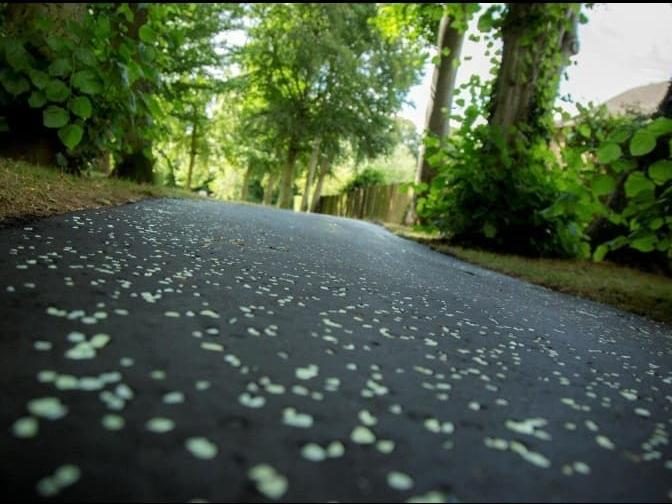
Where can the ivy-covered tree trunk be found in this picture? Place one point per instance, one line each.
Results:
(324, 171)
(449, 47)
(312, 166)
(538, 40)
(137, 163)
(286, 197)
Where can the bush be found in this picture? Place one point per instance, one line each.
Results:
(621, 168)
(369, 177)
(486, 196)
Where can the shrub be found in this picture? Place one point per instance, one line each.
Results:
(485, 196)
(368, 177)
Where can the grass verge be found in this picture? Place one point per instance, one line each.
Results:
(626, 288)
(28, 191)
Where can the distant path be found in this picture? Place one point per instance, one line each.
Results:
(179, 350)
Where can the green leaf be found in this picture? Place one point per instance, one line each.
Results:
(623, 165)
(660, 126)
(4, 127)
(103, 28)
(60, 67)
(147, 35)
(431, 141)
(16, 55)
(55, 117)
(656, 223)
(87, 82)
(152, 105)
(56, 43)
(86, 56)
(642, 143)
(14, 83)
(619, 135)
(57, 91)
(600, 252)
(71, 135)
(40, 79)
(37, 99)
(81, 107)
(636, 184)
(661, 171)
(603, 184)
(125, 10)
(664, 245)
(485, 22)
(489, 230)
(584, 130)
(645, 243)
(134, 71)
(608, 153)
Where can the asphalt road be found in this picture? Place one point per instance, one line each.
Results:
(186, 350)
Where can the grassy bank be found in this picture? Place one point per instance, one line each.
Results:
(28, 191)
(626, 288)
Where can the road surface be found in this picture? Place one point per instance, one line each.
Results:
(188, 350)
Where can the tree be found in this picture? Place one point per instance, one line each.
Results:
(451, 32)
(538, 40)
(187, 56)
(136, 161)
(497, 180)
(444, 26)
(312, 166)
(326, 71)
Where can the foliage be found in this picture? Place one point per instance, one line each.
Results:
(620, 170)
(107, 75)
(368, 177)
(320, 70)
(496, 179)
(81, 75)
(500, 206)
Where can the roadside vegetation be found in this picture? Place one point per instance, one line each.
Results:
(28, 191)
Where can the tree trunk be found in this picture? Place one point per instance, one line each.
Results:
(324, 171)
(246, 182)
(437, 119)
(138, 164)
(285, 200)
(170, 182)
(312, 165)
(437, 122)
(270, 187)
(192, 153)
(532, 64)
(20, 17)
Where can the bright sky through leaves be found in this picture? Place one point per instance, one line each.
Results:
(622, 46)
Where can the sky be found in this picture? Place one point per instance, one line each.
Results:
(622, 46)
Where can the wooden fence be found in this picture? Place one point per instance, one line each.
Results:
(386, 203)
